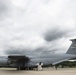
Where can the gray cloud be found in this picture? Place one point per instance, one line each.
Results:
(29, 52)
(36, 26)
(17, 51)
(45, 1)
(4, 9)
(54, 34)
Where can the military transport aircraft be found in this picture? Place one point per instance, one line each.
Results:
(21, 62)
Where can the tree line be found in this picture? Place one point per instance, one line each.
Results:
(67, 64)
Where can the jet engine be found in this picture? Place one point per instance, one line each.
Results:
(5, 62)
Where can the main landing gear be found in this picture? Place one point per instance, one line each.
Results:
(24, 68)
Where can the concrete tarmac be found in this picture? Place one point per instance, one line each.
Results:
(46, 71)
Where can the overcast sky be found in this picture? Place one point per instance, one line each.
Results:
(36, 25)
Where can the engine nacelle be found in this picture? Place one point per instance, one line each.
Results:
(4, 62)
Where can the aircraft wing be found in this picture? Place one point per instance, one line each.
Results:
(59, 61)
(63, 59)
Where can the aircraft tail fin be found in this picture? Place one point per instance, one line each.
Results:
(72, 48)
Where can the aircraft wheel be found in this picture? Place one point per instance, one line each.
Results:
(30, 68)
(22, 68)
